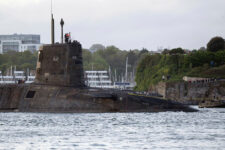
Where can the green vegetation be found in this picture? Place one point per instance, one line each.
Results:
(174, 64)
(216, 44)
(149, 68)
(114, 58)
(101, 59)
(22, 60)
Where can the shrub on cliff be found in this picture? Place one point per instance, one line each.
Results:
(148, 71)
(173, 67)
(199, 58)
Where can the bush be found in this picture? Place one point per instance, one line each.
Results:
(215, 44)
(198, 64)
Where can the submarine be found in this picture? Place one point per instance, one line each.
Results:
(59, 87)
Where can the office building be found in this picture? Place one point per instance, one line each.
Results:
(19, 42)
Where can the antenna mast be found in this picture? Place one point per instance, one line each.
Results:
(62, 23)
(52, 26)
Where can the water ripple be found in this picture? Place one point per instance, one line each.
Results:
(126, 131)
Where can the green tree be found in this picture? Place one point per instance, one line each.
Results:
(132, 58)
(215, 44)
(165, 51)
(22, 60)
(96, 47)
(176, 51)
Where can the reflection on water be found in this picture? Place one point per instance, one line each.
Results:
(167, 130)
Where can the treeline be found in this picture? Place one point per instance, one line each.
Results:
(172, 65)
(149, 67)
(22, 60)
(113, 59)
(102, 58)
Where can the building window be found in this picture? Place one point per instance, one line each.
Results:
(7, 46)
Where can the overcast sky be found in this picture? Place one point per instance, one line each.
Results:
(127, 24)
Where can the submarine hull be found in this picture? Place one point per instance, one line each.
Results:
(46, 98)
(59, 87)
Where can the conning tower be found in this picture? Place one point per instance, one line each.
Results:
(60, 64)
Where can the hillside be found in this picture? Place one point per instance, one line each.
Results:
(173, 67)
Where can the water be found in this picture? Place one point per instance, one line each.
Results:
(109, 131)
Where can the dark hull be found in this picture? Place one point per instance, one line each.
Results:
(46, 98)
(212, 104)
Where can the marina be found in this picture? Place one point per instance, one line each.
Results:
(16, 77)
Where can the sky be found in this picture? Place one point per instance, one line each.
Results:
(127, 24)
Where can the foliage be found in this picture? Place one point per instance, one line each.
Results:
(215, 44)
(102, 59)
(149, 68)
(113, 58)
(22, 60)
(176, 51)
(165, 51)
(96, 47)
(202, 49)
(197, 64)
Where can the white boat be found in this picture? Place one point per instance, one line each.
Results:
(98, 79)
(15, 78)
(30, 79)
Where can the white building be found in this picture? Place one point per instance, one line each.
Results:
(19, 42)
(98, 79)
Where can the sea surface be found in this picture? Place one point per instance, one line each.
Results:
(203, 130)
